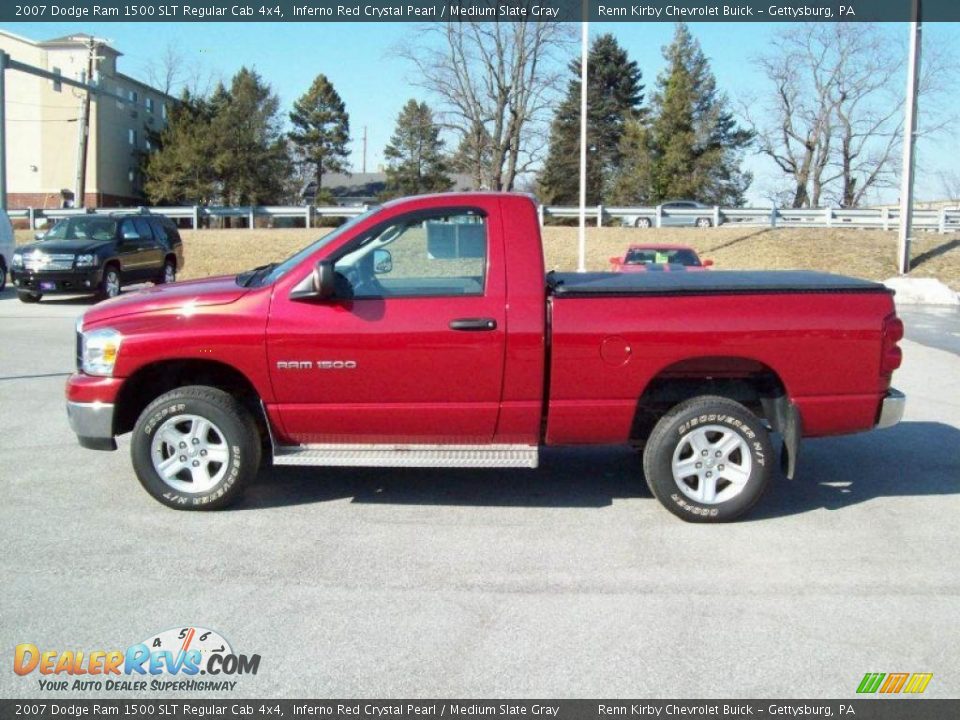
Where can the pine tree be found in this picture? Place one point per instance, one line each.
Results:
(251, 158)
(415, 161)
(614, 97)
(321, 129)
(181, 169)
(695, 142)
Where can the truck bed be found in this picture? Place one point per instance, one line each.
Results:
(723, 282)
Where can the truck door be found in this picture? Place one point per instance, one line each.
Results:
(410, 349)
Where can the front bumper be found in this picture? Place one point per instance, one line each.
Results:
(64, 281)
(891, 410)
(93, 424)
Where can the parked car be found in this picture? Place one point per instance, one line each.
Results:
(7, 244)
(424, 333)
(98, 254)
(670, 218)
(661, 256)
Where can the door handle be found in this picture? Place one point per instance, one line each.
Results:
(473, 324)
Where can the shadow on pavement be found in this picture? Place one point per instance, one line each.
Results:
(911, 459)
(567, 477)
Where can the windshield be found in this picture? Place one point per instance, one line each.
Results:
(665, 256)
(83, 228)
(271, 273)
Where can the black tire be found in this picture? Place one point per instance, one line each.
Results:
(108, 288)
(704, 223)
(232, 424)
(673, 434)
(28, 297)
(168, 273)
(643, 222)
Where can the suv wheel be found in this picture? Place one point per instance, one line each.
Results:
(110, 285)
(643, 222)
(195, 448)
(704, 222)
(29, 297)
(169, 274)
(708, 460)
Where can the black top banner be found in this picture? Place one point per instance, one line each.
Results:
(481, 10)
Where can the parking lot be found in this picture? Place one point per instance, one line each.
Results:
(568, 581)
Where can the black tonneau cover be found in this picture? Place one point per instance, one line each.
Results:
(711, 282)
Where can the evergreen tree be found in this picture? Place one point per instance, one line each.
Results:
(251, 158)
(614, 97)
(633, 181)
(415, 161)
(321, 129)
(181, 169)
(474, 157)
(695, 143)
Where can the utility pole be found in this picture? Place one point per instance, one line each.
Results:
(81, 195)
(3, 130)
(909, 142)
(364, 165)
(582, 232)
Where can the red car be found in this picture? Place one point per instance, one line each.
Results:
(424, 333)
(661, 256)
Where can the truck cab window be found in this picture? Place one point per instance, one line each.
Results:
(420, 256)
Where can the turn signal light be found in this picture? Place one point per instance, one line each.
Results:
(891, 356)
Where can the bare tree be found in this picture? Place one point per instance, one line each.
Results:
(496, 82)
(950, 182)
(834, 123)
(173, 71)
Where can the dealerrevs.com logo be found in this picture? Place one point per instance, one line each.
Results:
(180, 659)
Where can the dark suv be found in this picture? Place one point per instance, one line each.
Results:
(98, 254)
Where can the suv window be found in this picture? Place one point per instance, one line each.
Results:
(83, 228)
(143, 228)
(159, 230)
(432, 254)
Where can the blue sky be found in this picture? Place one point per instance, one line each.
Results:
(375, 85)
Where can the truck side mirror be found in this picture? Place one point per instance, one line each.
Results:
(708, 263)
(318, 285)
(39, 236)
(382, 262)
(616, 260)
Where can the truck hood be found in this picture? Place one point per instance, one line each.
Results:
(178, 296)
(71, 247)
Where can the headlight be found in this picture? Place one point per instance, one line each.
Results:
(99, 351)
(17, 260)
(86, 260)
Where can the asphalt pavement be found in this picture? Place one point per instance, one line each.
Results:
(567, 581)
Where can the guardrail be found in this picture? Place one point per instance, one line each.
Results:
(942, 220)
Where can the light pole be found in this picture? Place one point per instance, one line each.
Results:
(582, 234)
(909, 142)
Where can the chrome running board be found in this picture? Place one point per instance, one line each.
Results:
(421, 456)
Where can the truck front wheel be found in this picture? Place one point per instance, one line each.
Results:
(194, 448)
(709, 459)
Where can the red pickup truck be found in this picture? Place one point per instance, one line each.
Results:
(424, 333)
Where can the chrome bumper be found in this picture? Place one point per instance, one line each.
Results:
(93, 424)
(892, 409)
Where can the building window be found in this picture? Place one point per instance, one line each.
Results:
(148, 146)
(149, 103)
(132, 137)
(134, 96)
(163, 110)
(57, 85)
(131, 175)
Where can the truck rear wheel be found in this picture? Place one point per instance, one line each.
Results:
(709, 459)
(194, 448)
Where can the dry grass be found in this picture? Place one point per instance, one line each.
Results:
(863, 253)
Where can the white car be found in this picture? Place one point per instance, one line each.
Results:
(6, 246)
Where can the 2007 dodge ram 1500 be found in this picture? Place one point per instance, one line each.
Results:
(424, 333)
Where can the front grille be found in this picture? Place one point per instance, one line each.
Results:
(44, 262)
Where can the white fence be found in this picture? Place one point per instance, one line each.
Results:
(942, 220)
